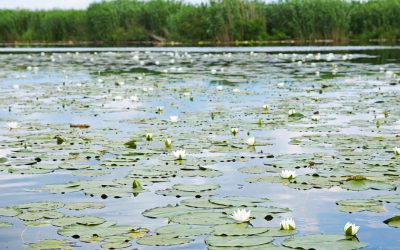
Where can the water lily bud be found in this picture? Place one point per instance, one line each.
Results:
(160, 109)
(149, 136)
(396, 150)
(168, 142)
(136, 184)
(234, 131)
(350, 229)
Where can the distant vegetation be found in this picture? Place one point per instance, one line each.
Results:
(123, 21)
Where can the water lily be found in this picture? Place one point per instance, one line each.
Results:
(351, 229)
(179, 154)
(288, 174)
(173, 118)
(266, 106)
(220, 88)
(315, 117)
(291, 112)
(251, 141)
(241, 215)
(288, 224)
(12, 125)
(149, 136)
(234, 131)
(15, 86)
(160, 108)
(134, 98)
(168, 142)
(396, 150)
(136, 184)
(236, 90)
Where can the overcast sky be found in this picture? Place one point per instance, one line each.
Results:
(60, 4)
(45, 4)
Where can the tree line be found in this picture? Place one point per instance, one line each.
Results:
(125, 21)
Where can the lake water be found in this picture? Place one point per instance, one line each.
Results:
(339, 139)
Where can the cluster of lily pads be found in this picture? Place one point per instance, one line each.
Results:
(140, 123)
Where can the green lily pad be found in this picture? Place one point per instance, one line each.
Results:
(41, 206)
(202, 218)
(238, 201)
(237, 241)
(238, 229)
(5, 224)
(359, 205)
(82, 220)
(163, 240)
(388, 198)
(201, 203)
(394, 221)
(183, 230)
(84, 205)
(31, 216)
(167, 212)
(322, 241)
(195, 188)
(51, 244)
(9, 211)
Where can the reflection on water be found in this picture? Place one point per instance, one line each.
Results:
(72, 88)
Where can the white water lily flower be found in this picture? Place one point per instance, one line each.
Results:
(291, 112)
(219, 88)
(179, 154)
(241, 215)
(351, 229)
(12, 125)
(234, 131)
(288, 174)
(281, 84)
(288, 224)
(396, 150)
(266, 106)
(134, 98)
(236, 90)
(118, 98)
(251, 141)
(160, 108)
(168, 142)
(149, 136)
(15, 86)
(173, 118)
(315, 117)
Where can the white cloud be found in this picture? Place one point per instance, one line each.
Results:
(45, 4)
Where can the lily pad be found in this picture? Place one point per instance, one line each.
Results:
(237, 241)
(238, 201)
(394, 221)
(163, 240)
(9, 211)
(183, 230)
(322, 241)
